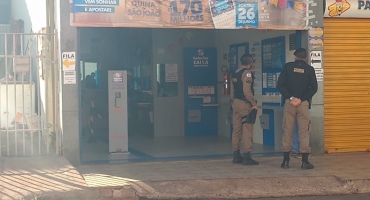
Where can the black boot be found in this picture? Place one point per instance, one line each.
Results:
(248, 160)
(237, 157)
(286, 160)
(305, 164)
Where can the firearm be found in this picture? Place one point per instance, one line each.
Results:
(251, 118)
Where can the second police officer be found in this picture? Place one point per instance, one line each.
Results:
(298, 84)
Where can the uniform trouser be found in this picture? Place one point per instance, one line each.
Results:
(302, 114)
(241, 130)
(295, 147)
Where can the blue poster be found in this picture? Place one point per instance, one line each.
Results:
(219, 7)
(246, 14)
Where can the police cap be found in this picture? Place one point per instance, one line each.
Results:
(300, 53)
(300, 50)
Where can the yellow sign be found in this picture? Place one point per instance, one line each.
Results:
(338, 8)
(69, 61)
(316, 32)
(316, 43)
(316, 37)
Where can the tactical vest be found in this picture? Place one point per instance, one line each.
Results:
(237, 81)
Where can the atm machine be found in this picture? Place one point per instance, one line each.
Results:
(118, 112)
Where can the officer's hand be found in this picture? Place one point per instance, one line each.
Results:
(255, 107)
(295, 102)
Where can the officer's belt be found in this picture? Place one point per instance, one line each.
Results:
(244, 100)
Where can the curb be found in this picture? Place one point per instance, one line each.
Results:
(220, 189)
(358, 186)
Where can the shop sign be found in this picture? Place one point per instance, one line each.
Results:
(69, 61)
(206, 14)
(347, 8)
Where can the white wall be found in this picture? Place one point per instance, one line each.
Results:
(225, 38)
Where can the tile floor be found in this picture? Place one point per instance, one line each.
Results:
(150, 148)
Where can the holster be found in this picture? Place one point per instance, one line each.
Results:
(251, 117)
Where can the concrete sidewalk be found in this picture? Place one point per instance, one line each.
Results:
(27, 178)
(211, 179)
(208, 179)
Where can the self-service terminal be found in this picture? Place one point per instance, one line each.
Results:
(118, 112)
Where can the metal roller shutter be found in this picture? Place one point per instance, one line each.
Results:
(347, 84)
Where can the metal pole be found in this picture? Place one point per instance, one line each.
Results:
(56, 96)
(38, 98)
(6, 94)
(23, 99)
(15, 100)
(32, 95)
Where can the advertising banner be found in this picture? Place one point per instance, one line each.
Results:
(347, 8)
(205, 14)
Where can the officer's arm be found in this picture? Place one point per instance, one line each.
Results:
(231, 89)
(313, 87)
(282, 83)
(247, 81)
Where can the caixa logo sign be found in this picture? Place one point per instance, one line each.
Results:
(200, 60)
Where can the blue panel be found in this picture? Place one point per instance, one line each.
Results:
(234, 55)
(233, 58)
(200, 69)
(273, 66)
(269, 135)
(298, 41)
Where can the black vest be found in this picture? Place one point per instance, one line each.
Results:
(237, 81)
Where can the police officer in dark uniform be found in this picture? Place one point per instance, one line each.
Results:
(244, 110)
(297, 83)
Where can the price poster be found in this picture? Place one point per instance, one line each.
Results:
(247, 14)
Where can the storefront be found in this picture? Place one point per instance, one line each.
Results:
(347, 82)
(174, 104)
